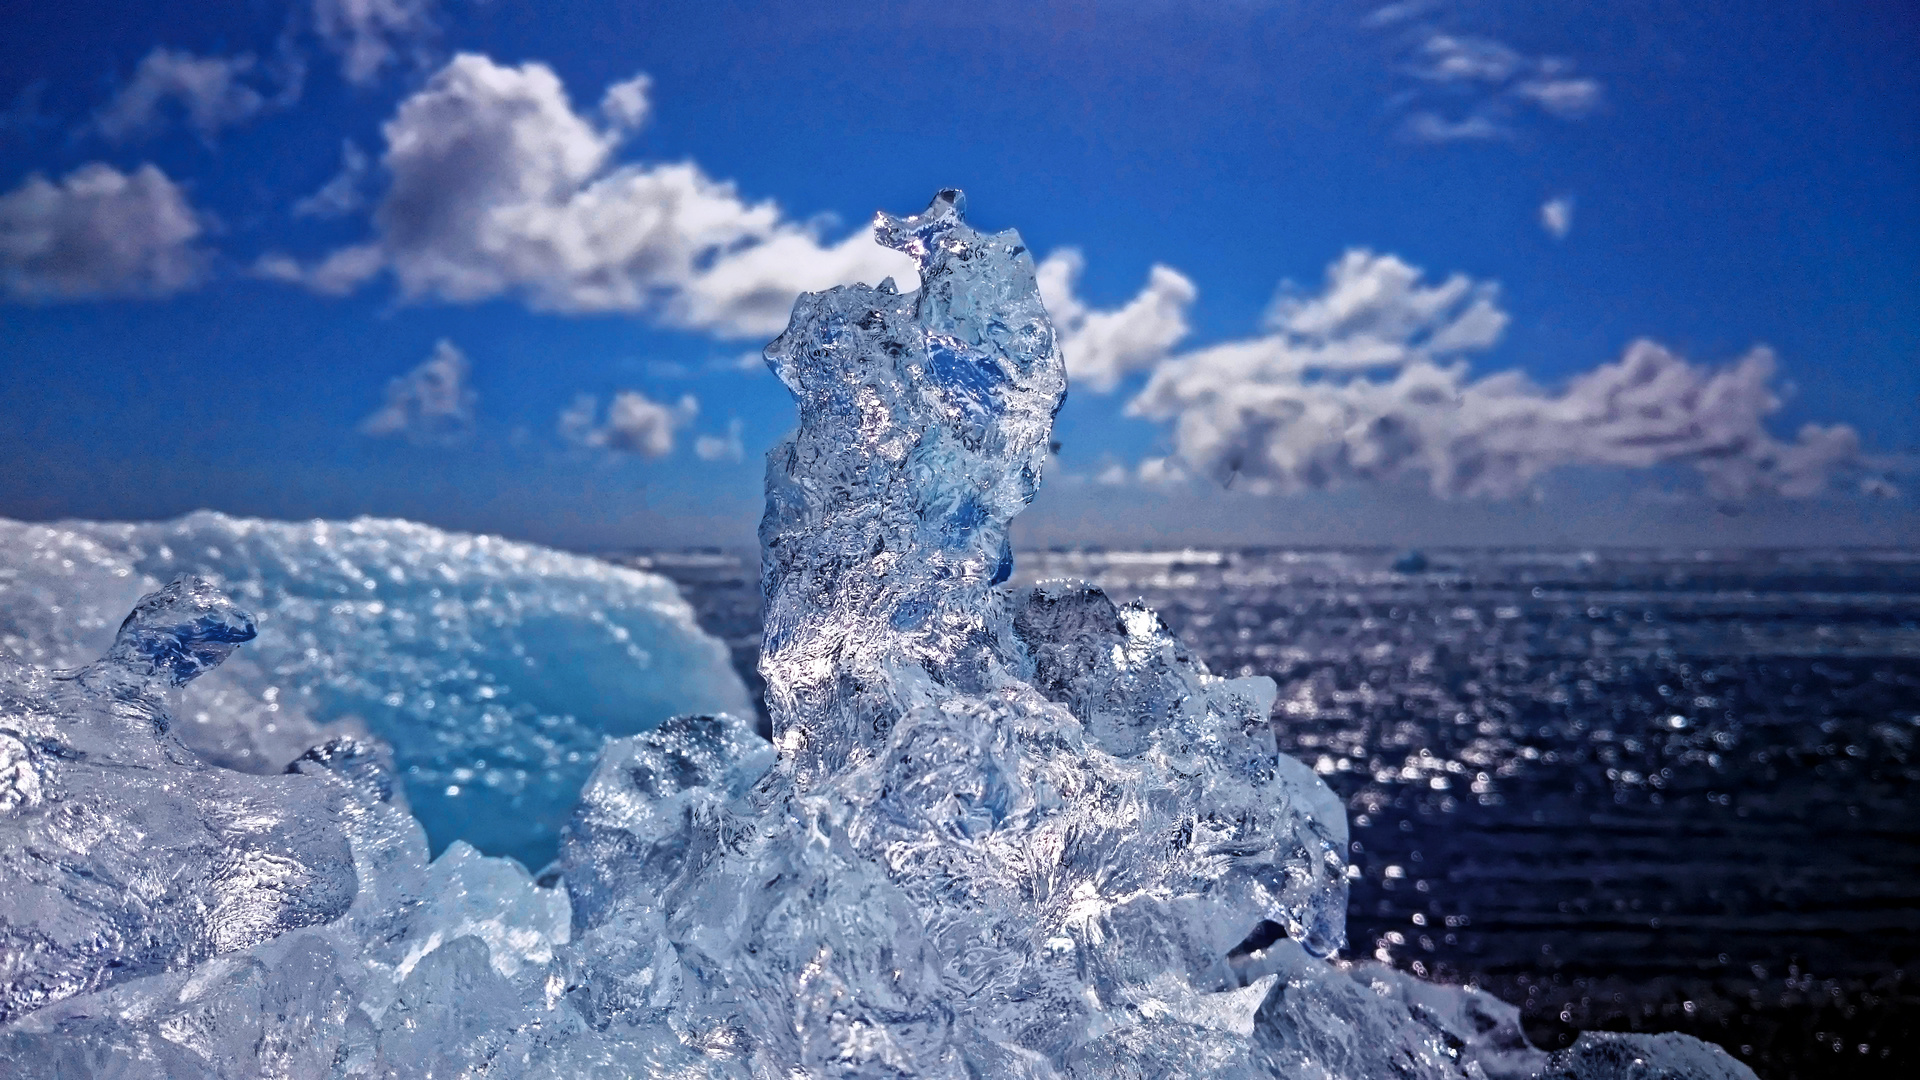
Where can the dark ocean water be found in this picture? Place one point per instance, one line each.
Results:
(1626, 790)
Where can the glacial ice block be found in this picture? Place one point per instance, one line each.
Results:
(121, 854)
(494, 669)
(947, 870)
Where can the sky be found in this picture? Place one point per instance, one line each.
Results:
(1324, 273)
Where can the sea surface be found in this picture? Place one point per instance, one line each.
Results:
(1626, 790)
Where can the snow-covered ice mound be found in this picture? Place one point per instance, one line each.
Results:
(494, 669)
(1007, 835)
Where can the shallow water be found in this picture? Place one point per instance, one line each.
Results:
(1628, 790)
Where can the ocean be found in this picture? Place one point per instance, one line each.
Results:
(1625, 790)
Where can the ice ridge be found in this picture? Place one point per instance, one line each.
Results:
(997, 834)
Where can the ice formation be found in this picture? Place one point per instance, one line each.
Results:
(493, 669)
(1022, 836)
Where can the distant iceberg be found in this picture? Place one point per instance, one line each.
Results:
(997, 834)
(493, 669)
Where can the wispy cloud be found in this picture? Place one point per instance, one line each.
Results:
(1431, 127)
(499, 187)
(369, 35)
(1469, 87)
(727, 447)
(99, 232)
(434, 404)
(211, 93)
(1397, 13)
(1447, 58)
(1878, 487)
(633, 423)
(1556, 216)
(1568, 98)
(343, 194)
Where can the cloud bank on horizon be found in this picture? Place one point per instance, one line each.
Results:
(492, 184)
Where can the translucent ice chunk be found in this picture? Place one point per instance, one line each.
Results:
(176, 635)
(1009, 835)
(419, 969)
(1606, 1055)
(493, 669)
(120, 852)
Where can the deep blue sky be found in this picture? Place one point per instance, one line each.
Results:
(1741, 176)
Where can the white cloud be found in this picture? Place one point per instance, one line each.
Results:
(634, 423)
(627, 105)
(1374, 310)
(1366, 381)
(1556, 216)
(1476, 88)
(500, 188)
(1431, 127)
(341, 272)
(432, 404)
(342, 194)
(1568, 99)
(728, 447)
(210, 91)
(1393, 14)
(1103, 347)
(370, 34)
(751, 362)
(1447, 58)
(99, 232)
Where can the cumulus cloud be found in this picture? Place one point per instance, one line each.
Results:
(211, 92)
(1477, 88)
(627, 105)
(498, 187)
(633, 424)
(1376, 312)
(432, 404)
(99, 232)
(728, 447)
(1103, 347)
(342, 194)
(1367, 381)
(1556, 216)
(370, 34)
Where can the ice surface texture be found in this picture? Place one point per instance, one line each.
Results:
(1008, 836)
(494, 669)
(120, 852)
(946, 871)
